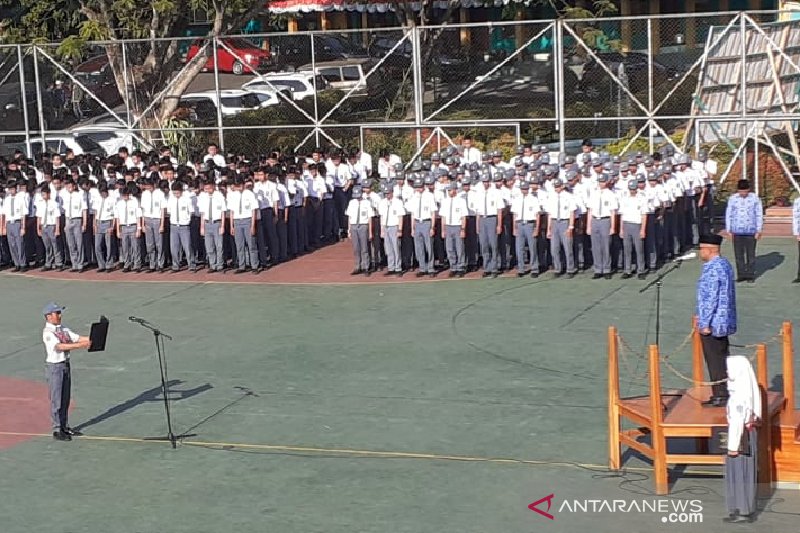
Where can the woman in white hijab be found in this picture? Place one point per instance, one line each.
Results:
(744, 414)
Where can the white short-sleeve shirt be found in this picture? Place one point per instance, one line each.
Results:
(52, 335)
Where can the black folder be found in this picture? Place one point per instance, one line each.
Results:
(98, 335)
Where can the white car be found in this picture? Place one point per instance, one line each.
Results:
(234, 101)
(299, 84)
(109, 137)
(55, 144)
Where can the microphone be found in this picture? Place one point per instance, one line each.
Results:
(137, 320)
(685, 257)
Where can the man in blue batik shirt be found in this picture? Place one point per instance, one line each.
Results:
(716, 314)
(744, 219)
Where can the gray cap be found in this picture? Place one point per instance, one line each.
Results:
(571, 175)
(702, 156)
(435, 156)
(486, 177)
(648, 161)
(602, 178)
(632, 185)
(535, 149)
(496, 153)
(498, 177)
(427, 178)
(652, 176)
(641, 178)
(557, 182)
(53, 307)
(569, 160)
(524, 186)
(452, 186)
(386, 187)
(418, 183)
(356, 190)
(509, 173)
(398, 167)
(544, 158)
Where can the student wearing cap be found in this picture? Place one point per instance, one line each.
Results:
(154, 205)
(213, 209)
(342, 181)
(796, 233)
(453, 214)
(15, 212)
(359, 215)
(716, 313)
(422, 207)
(75, 214)
(297, 230)
(526, 210)
(489, 210)
(128, 217)
(315, 184)
(391, 211)
(561, 208)
(471, 246)
(179, 209)
(744, 220)
(47, 216)
(243, 207)
(59, 341)
(376, 253)
(633, 215)
(104, 229)
(601, 219)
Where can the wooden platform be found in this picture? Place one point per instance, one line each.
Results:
(778, 222)
(673, 414)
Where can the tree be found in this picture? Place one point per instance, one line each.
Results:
(150, 62)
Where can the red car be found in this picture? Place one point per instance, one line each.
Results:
(246, 57)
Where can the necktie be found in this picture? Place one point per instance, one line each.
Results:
(450, 220)
(12, 207)
(358, 212)
(102, 204)
(241, 197)
(45, 213)
(419, 208)
(86, 198)
(210, 214)
(61, 335)
(69, 207)
(152, 194)
(486, 203)
(600, 211)
(558, 205)
(126, 212)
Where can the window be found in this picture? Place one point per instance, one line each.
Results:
(351, 73)
(291, 84)
(88, 145)
(331, 74)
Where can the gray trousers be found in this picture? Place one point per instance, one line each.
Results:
(213, 243)
(559, 240)
(487, 237)
(650, 243)
(154, 241)
(16, 244)
(423, 246)
(740, 479)
(73, 231)
(53, 254)
(744, 249)
(180, 244)
(102, 244)
(525, 238)
(245, 243)
(59, 382)
(630, 242)
(391, 245)
(359, 235)
(131, 256)
(454, 245)
(601, 245)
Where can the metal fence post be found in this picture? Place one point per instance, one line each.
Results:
(24, 97)
(220, 132)
(126, 97)
(38, 98)
(743, 94)
(650, 82)
(316, 105)
(419, 86)
(558, 43)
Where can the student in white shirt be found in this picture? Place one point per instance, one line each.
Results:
(154, 205)
(48, 214)
(453, 213)
(561, 209)
(469, 154)
(212, 207)
(297, 229)
(489, 210)
(601, 221)
(15, 212)
(243, 207)
(526, 210)
(104, 228)
(422, 207)
(633, 214)
(75, 213)
(391, 211)
(128, 217)
(359, 217)
(179, 208)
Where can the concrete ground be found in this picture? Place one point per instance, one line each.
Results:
(405, 407)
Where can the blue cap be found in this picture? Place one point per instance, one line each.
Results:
(52, 307)
(632, 185)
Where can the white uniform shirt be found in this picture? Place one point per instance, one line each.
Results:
(452, 210)
(266, 193)
(385, 166)
(74, 204)
(391, 211)
(127, 211)
(212, 206)
(602, 203)
(105, 208)
(48, 212)
(422, 206)
(341, 174)
(315, 185)
(488, 202)
(153, 203)
(297, 188)
(15, 208)
(53, 335)
(631, 208)
(561, 205)
(180, 210)
(526, 208)
(471, 155)
(283, 195)
(242, 204)
(359, 211)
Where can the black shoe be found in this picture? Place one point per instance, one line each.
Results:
(751, 280)
(367, 273)
(389, 273)
(432, 274)
(151, 270)
(607, 276)
(642, 276)
(452, 274)
(23, 269)
(739, 279)
(521, 274)
(239, 271)
(17, 269)
(557, 274)
(62, 268)
(534, 274)
(796, 280)
(486, 274)
(400, 273)
(258, 270)
(126, 269)
(495, 274)
(738, 519)
(627, 275)
(597, 276)
(60, 435)
(420, 274)
(715, 401)
(570, 275)
(71, 432)
(461, 274)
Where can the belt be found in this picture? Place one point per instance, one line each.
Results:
(75, 218)
(601, 218)
(526, 221)
(180, 225)
(422, 220)
(489, 216)
(214, 221)
(562, 220)
(128, 225)
(103, 221)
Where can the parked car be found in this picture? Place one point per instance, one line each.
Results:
(231, 101)
(293, 51)
(55, 144)
(96, 74)
(12, 115)
(110, 138)
(343, 75)
(595, 83)
(299, 84)
(248, 58)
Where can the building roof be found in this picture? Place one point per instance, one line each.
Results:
(370, 6)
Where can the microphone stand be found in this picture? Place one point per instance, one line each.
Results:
(159, 337)
(659, 282)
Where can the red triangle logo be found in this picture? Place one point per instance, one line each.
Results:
(534, 506)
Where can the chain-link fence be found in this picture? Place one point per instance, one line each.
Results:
(650, 80)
